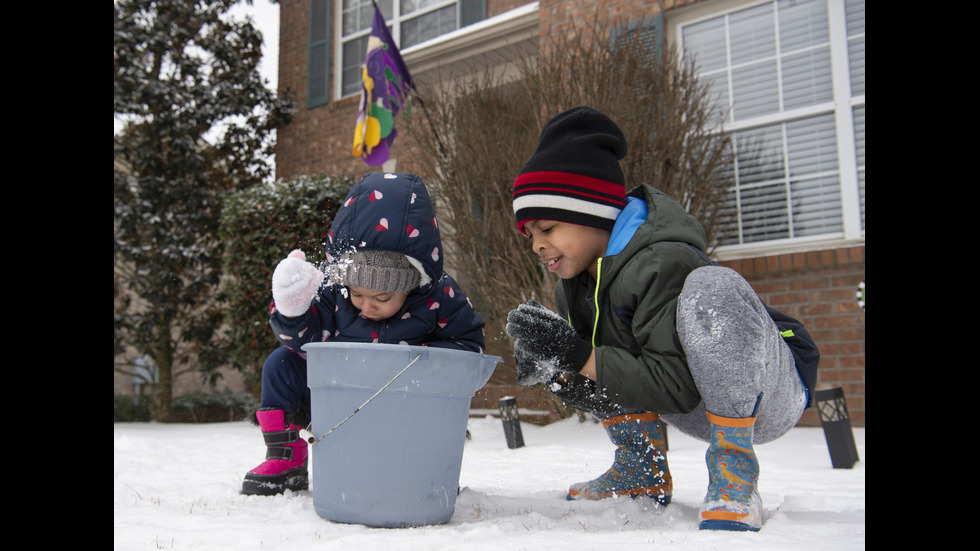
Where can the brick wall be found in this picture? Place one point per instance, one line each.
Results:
(320, 139)
(819, 288)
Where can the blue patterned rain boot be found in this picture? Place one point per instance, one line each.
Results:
(640, 467)
(733, 501)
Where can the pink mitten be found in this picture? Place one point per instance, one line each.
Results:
(294, 284)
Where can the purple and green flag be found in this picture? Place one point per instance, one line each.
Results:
(385, 83)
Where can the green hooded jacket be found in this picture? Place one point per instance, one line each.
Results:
(630, 313)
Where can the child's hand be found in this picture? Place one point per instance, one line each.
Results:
(544, 343)
(532, 370)
(294, 284)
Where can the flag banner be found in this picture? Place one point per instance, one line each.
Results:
(385, 83)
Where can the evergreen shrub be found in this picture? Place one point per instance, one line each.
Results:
(259, 227)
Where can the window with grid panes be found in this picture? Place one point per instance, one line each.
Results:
(410, 22)
(788, 78)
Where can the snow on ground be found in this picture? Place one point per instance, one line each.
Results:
(177, 487)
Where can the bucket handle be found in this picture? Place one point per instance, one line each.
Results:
(312, 440)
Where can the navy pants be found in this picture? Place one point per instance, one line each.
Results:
(284, 381)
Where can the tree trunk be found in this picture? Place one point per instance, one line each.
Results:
(162, 407)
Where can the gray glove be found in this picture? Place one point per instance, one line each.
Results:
(544, 344)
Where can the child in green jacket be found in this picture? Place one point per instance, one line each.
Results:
(647, 328)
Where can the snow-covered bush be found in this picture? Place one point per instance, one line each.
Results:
(259, 226)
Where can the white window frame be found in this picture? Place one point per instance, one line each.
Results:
(842, 107)
(394, 25)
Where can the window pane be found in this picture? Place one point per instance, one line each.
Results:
(855, 44)
(859, 142)
(354, 53)
(753, 34)
(765, 207)
(760, 155)
(409, 6)
(387, 10)
(428, 26)
(804, 42)
(728, 233)
(350, 21)
(815, 180)
(802, 25)
(807, 78)
(811, 146)
(717, 84)
(816, 206)
(356, 16)
(706, 43)
(755, 90)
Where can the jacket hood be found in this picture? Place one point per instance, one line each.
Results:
(651, 216)
(389, 212)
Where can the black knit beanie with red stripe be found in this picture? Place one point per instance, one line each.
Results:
(574, 175)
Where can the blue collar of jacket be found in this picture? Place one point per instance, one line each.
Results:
(626, 224)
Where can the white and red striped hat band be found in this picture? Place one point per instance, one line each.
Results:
(574, 174)
(567, 197)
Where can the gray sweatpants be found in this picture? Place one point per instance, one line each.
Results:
(739, 361)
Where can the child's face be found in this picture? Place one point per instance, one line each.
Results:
(567, 249)
(374, 305)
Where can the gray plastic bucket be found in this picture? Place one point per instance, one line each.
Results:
(396, 462)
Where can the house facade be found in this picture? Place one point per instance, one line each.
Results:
(789, 76)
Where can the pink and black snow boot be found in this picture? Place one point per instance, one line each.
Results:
(640, 468)
(285, 462)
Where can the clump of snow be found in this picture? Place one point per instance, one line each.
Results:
(177, 486)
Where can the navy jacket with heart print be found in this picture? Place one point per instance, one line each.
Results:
(391, 212)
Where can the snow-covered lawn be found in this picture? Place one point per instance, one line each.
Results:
(177, 487)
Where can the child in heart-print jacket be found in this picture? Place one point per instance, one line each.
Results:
(382, 282)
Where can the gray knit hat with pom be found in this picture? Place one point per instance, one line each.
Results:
(381, 271)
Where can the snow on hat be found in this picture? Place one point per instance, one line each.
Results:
(574, 174)
(381, 271)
